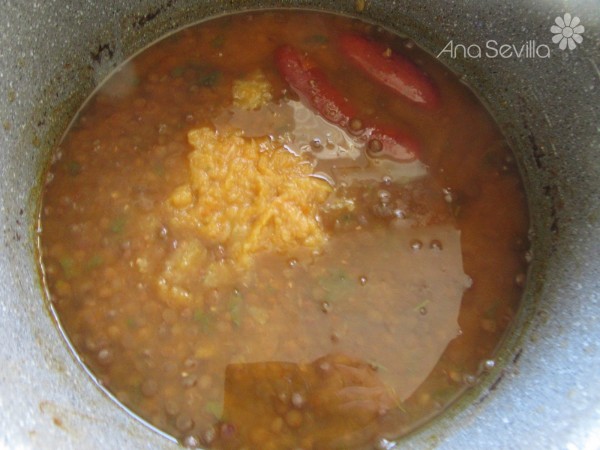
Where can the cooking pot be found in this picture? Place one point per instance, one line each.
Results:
(544, 390)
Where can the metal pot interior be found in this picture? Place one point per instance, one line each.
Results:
(542, 392)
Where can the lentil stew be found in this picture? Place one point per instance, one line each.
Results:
(284, 230)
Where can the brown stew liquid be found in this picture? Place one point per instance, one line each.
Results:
(373, 293)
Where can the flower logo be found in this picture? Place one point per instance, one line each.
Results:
(567, 31)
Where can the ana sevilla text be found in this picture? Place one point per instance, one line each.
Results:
(493, 49)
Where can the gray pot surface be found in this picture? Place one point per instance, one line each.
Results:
(544, 391)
